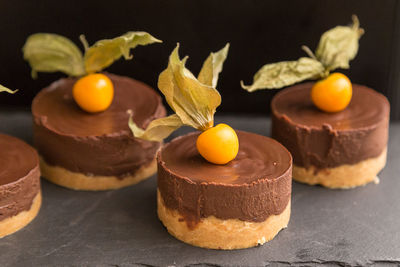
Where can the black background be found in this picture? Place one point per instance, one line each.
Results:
(260, 32)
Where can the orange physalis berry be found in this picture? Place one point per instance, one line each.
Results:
(333, 93)
(219, 144)
(93, 92)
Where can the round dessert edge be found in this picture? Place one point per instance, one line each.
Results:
(13, 224)
(214, 233)
(19, 185)
(79, 181)
(40, 116)
(187, 179)
(224, 210)
(345, 176)
(336, 150)
(308, 103)
(85, 151)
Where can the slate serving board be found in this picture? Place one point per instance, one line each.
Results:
(358, 227)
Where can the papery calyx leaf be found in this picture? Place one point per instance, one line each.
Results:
(47, 52)
(281, 74)
(339, 45)
(5, 89)
(336, 48)
(104, 52)
(193, 101)
(212, 67)
(158, 129)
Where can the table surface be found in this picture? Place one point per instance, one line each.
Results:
(355, 227)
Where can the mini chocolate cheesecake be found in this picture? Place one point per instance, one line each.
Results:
(238, 205)
(336, 150)
(86, 151)
(20, 194)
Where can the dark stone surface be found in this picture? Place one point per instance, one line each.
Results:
(356, 227)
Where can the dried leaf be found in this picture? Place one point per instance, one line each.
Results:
(5, 89)
(104, 52)
(281, 74)
(339, 45)
(212, 67)
(158, 129)
(336, 48)
(194, 102)
(48, 52)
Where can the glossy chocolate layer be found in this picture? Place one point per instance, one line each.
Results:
(252, 187)
(19, 176)
(326, 140)
(101, 143)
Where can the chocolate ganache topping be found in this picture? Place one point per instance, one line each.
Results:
(255, 185)
(19, 176)
(100, 143)
(326, 140)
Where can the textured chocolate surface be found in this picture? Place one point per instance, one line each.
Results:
(255, 185)
(19, 176)
(325, 140)
(100, 143)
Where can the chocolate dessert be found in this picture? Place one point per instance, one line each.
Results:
(337, 150)
(20, 194)
(95, 151)
(217, 188)
(81, 123)
(237, 205)
(336, 131)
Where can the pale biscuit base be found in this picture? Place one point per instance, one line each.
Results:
(345, 176)
(215, 233)
(80, 181)
(13, 224)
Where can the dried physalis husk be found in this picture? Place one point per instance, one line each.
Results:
(281, 74)
(48, 52)
(158, 129)
(104, 52)
(339, 45)
(194, 101)
(335, 49)
(5, 89)
(212, 67)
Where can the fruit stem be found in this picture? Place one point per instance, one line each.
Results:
(325, 73)
(356, 25)
(308, 52)
(84, 42)
(311, 55)
(207, 126)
